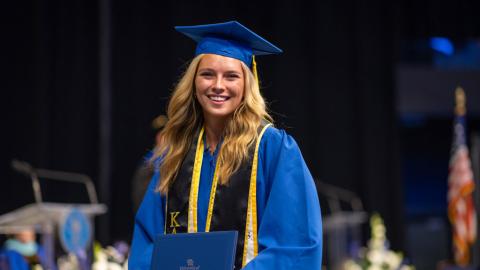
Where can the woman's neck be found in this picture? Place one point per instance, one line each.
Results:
(213, 132)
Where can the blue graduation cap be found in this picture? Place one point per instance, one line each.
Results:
(229, 39)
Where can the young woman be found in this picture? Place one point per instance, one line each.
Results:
(223, 166)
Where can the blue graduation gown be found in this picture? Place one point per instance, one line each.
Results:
(288, 210)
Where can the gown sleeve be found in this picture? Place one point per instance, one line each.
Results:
(149, 222)
(290, 226)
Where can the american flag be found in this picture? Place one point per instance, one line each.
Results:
(461, 211)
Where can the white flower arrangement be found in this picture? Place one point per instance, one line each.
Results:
(110, 258)
(377, 255)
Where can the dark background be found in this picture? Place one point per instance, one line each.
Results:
(83, 83)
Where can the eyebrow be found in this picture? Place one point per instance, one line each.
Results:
(226, 72)
(205, 69)
(233, 72)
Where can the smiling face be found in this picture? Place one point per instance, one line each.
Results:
(219, 86)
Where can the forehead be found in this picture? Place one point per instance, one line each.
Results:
(214, 61)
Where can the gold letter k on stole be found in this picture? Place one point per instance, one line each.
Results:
(173, 221)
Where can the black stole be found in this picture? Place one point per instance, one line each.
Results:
(231, 200)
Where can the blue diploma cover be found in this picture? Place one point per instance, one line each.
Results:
(195, 251)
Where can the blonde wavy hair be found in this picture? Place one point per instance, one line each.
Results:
(185, 119)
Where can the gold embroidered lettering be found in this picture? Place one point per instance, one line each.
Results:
(173, 220)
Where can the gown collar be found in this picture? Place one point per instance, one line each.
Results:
(207, 148)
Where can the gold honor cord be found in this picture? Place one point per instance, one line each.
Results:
(250, 246)
(193, 200)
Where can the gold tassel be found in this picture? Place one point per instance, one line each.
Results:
(254, 70)
(460, 108)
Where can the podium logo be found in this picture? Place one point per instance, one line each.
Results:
(190, 266)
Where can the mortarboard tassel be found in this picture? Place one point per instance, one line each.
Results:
(254, 70)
